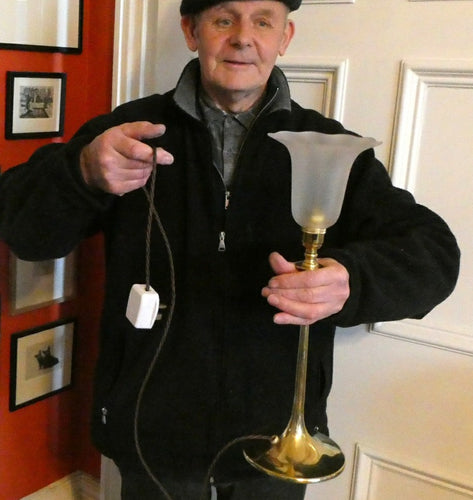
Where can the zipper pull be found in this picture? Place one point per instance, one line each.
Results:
(227, 199)
(104, 416)
(221, 242)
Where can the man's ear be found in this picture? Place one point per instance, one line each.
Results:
(289, 31)
(188, 26)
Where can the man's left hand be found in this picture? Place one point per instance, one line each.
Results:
(304, 297)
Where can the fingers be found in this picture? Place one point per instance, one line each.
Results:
(307, 296)
(128, 139)
(143, 130)
(296, 313)
(118, 161)
(280, 265)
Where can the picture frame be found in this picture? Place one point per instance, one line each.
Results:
(42, 25)
(39, 284)
(41, 363)
(35, 104)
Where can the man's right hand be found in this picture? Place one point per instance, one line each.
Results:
(117, 162)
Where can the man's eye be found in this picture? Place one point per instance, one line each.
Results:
(223, 22)
(263, 23)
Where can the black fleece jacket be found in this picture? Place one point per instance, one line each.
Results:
(225, 370)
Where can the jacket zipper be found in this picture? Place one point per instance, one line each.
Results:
(221, 236)
(104, 412)
(222, 246)
(221, 242)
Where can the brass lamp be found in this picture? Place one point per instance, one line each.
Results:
(321, 165)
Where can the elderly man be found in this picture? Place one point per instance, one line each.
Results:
(218, 365)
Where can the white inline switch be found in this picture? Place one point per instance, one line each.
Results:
(143, 306)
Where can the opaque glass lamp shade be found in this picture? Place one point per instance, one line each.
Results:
(321, 165)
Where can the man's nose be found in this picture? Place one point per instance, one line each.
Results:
(242, 35)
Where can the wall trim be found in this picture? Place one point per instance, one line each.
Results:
(74, 486)
(414, 331)
(110, 480)
(133, 34)
(370, 465)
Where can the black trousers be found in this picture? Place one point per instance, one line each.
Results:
(138, 486)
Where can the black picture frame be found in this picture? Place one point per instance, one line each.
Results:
(35, 104)
(41, 362)
(42, 25)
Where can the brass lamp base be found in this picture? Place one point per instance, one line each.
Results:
(299, 458)
(296, 455)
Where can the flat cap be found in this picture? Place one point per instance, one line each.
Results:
(196, 6)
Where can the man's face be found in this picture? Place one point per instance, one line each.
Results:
(238, 43)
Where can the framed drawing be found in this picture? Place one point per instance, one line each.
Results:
(35, 105)
(41, 363)
(39, 284)
(42, 25)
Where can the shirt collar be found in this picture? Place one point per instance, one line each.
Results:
(212, 113)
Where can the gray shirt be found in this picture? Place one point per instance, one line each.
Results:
(228, 131)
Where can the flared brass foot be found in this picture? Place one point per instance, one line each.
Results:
(298, 457)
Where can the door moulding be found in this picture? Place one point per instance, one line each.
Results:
(374, 473)
(417, 80)
(332, 74)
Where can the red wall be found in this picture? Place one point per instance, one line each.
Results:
(48, 440)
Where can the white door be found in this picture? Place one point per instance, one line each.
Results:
(401, 71)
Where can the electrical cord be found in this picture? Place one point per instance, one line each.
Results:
(153, 214)
(149, 228)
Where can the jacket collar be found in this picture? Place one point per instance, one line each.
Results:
(187, 90)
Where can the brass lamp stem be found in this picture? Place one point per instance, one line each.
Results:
(311, 242)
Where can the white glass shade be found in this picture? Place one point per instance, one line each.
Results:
(321, 165)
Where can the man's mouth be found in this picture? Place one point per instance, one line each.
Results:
(238, 63)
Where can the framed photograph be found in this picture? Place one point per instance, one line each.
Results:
(42, 25)
(41, 363)
(35, 105)
(39, 284)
